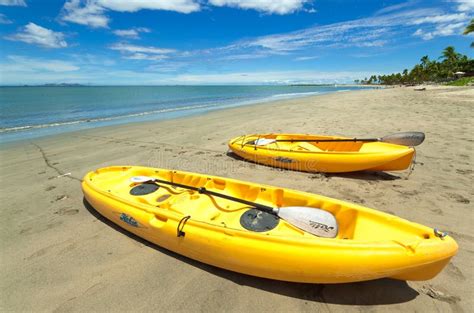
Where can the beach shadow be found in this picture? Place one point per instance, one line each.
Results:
(375, 292)
(362, 175)
(366, 175)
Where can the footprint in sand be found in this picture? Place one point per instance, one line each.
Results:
(408, 192)
(458, 198)
(454, 271)
(464, 172)
(437, 211)
(437, 294)
(39, 228)
(50, 188)
(38, 253)
(61, 197)
(25, 230)
(67, 211)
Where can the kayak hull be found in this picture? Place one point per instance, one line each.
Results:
(285, 253)
(341, 157)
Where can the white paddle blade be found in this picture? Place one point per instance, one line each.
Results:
(140, 179)
(312, 220)
(409, 139)
(264, 141)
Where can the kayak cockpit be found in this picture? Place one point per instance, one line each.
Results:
(354, 222)
(309, 143)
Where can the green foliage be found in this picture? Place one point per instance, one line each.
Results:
(469, 28)
(465, 81)
(428, 70)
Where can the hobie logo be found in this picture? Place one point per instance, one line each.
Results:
(323, 227)
(129, 220)
(284, 160)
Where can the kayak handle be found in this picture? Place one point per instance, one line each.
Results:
(179, 229)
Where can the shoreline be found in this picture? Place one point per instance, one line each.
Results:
(264, 101)
(66, 258)
(31, 130)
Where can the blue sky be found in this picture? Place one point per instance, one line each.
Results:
(143, 42)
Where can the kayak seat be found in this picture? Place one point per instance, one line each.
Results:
(340, 146)
(306, 146)
(347, 220)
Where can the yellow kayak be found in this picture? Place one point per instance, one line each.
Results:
(367, 245)
(304, 153)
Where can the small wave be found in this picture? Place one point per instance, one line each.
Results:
(343, 90)
(101, 119)
(296, 94)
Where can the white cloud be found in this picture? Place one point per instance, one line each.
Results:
(135, 52)
(182, 6)
(132, 33)
(37, 35)
(125, 47)
(274, 77)
(307, 58)
(440, 25)
(267, 6)
(395, 7)
(165, 67)
(440, 31)
(437, 19)
(93, 12)
(20, 3)
(90, 14)
(144, 56)
(243, 56)
(92, 60)
(24, 64)
(4, 19)
(465, 5)
(375, 31)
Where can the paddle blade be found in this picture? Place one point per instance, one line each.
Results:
(312, 220)
(140, 179)
(261, 142)
(409, 139)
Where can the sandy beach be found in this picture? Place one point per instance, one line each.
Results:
(58, 255)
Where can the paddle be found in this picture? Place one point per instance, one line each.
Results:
(312, 220)
(410, 139)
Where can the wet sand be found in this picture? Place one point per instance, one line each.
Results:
(57, 254)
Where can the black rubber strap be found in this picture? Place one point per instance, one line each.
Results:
(179, 229)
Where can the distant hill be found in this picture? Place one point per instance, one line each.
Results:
(62, 85)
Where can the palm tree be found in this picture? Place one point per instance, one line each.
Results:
(425, 61)
(450, 55)
(451, 60)
(470, 29)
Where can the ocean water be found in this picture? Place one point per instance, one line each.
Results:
(31, 112)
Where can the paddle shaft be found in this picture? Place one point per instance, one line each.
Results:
(330, 140)
(216, 194)
(410, 139)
